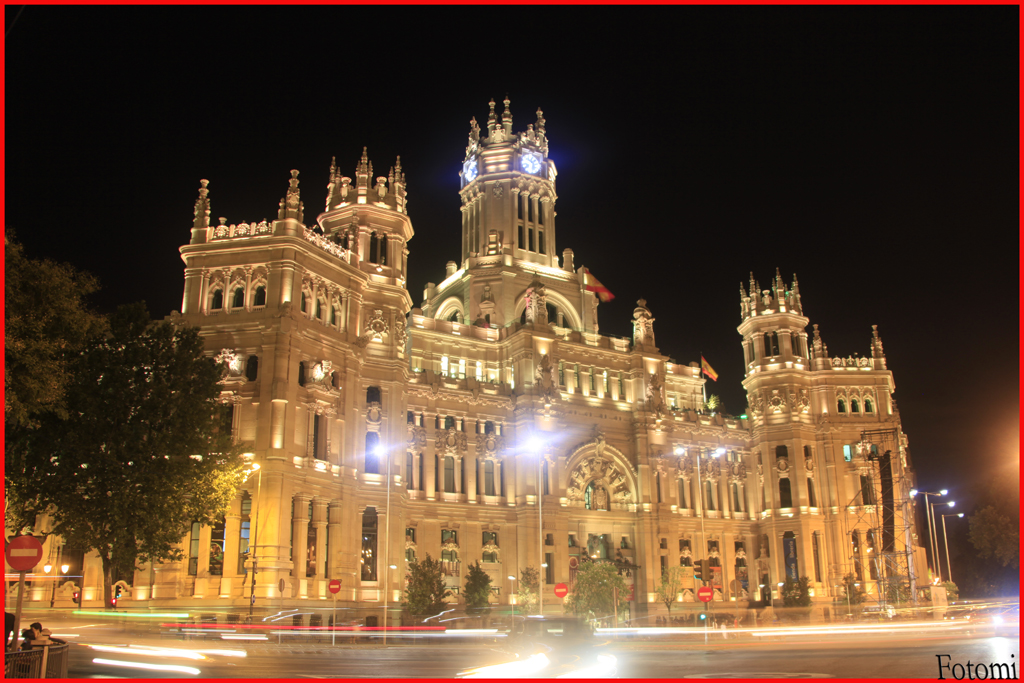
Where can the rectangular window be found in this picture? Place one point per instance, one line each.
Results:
(409, 483)
(622, 388)
(410, 534)
(572, 540)
(217, 543)
(522, 230)
(549, 570)
(317, 438)
(664, 563)
(193, 550)
(490, 537)
(449, 535)
(576, 371)
(540, 241)
(593, 373)
(444, 365)
(449, 474)
(847, 453)
(479, 371)
(663, 543)
(462, 368)
(530, 232)
(817, 559)
(561, 373)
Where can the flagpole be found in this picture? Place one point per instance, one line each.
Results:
(704, 384)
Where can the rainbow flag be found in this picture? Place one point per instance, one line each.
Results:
(592, 285)
(707, 369)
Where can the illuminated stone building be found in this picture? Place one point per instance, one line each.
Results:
(497, 392)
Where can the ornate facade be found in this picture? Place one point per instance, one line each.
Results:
(387, 431)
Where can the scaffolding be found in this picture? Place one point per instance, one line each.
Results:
(888, 515)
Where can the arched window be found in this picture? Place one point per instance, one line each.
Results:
(683, 503)
(261, 296)
(588, 496)
(372, 457)
(238, 299)
(785, 494)
(709, 496)
(373, 248)
(812, 500)
(373, 395)
(454, 317)
(868, 408)
(252, 365)
(302, 303)
(781, 452)
(767, 343)
(841, 406)
(368, 559)
(736, 497)
(854, 406)
(217, 302)
(319, 313)
(552, 311)
(449, 474)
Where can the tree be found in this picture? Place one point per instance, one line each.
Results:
(952, 591)
(478, 588)
(593, 592)
(526, 593)
(851, 590)
(796, 593)
(426, 592)
(141, 455)
(46, 324)
(996, 535)
(713, 403)
(670, 587)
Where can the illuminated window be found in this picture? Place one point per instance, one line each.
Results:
(479, 371)
(847, 452)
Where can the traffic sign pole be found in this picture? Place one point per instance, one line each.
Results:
(17, 612)
(334, 619)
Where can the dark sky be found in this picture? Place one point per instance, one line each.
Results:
(871, 150)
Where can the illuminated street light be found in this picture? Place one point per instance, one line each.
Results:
(535, 445)
(945, 539)
(933, 545)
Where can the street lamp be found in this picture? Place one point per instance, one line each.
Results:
(945, 540)
(700, 494)
(537, 446)
(512, 581)
(382, 452)
(931, 528)
(938, 560)
(254, 467)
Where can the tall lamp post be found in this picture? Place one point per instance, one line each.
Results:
(537, 446)
(945, 539)
(700, 495)
(389, 480)
(931, 529)
(254, 467)
(935, 524)
(512, 582)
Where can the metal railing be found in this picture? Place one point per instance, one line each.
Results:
(49, 661)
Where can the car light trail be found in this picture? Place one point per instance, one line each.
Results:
(243, 636)
(150, 651)
(149, 667)
(154, 615)
(516, 669)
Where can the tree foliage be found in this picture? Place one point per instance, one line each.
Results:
(851, 590)
(796, 593)
(46, 324)
(478, 588)
(526, 591)
(426, 592)
(671, 586)
(141, 455)
(996, 535)
(593, 592)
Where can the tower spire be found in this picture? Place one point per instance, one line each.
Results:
(492, 119)
(201, 212)
(291, 206)
(506, 118)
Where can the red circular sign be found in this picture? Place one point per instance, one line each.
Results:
(561, 590)
(334, 586)
(23, 553)
(705, 593)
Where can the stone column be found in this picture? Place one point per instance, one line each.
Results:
(300, 529)
(203, 566)
(472, 471)
(334, 517)
(430, 461)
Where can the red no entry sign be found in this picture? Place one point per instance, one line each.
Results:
(23, 553)
(705, 593)
(334, 586)
(561, 590)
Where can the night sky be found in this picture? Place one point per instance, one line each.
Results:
(873, 151)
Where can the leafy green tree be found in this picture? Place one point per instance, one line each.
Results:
(996, 535)
(670, 587)
(478, 588)
(46, 324)
(593, 592)
(526, 591)
(852, 590)
(796, 593)
(952, 591)
(713, 403)
(141, 455)
(426, 592)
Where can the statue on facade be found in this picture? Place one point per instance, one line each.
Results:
(654, 386)
(643, 328)
(546, 384)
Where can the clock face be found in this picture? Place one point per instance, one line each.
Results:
(469, 170)
(531, 164)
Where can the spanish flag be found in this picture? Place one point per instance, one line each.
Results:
(707, 369)
(592, 285)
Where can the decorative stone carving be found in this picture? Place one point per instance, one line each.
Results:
(777, 401)
(809, 464)
(547, 385)
(417, 438)
(451, 442)
(231, 360)
(498, 190)
(401, 335)
(643, 328)
(489, 445)
(800, 401)
(605, 476)
(373, 413)
(655, 400)
(782, 465)
(737, 471)
(375, 329)
(756, 403)
(536, 303)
